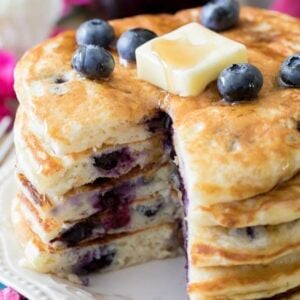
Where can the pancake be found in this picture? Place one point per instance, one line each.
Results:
(245, 282)
(117, 109)
(255, 144)
(268, 30)
(293, 294)
(219, 246)
(100, 196)
(264, 209)
(156, 210)
(52, 174)
(112, 253)
(253, 140)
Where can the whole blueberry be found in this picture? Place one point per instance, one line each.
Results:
(93, 62)
(95, 32)
(219, 15)
(289, 75)
(240, 82)
(132, 39)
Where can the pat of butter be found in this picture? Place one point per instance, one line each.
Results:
(186, 60)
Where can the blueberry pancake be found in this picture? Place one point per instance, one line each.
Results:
(45, 87)
(104, 254)
(236, 146)
(163, 207)
(100, 196)
(219, 246)
(247, 281)
(263, 209)
(46, 170)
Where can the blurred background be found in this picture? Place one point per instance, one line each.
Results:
(121, 8)
(24, 23)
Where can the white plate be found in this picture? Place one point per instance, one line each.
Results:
(159, 280)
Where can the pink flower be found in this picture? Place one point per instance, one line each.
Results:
(7, 65)
(290, 7)
(57, 30)
(68, 4)
(4, 111)
(10, 294)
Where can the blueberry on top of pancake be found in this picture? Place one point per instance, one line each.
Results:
(290, 72)
(95, 32)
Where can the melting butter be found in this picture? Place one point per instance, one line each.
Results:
(187, 59)
(180, 53)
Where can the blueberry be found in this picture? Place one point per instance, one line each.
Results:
(101, 180)
(240, 82)
(161, 121)
(111, 200)
(110, 161)
(77, 233)
(118, 219)
(93, 62)
(107, 161)
(95, 32)
(150, 210)
(220, 15)
(132, 39)
(250, 232)
(91, 263)
(290, 72)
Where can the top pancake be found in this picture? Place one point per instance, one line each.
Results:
(79, 114)
(227, 152)
(233, 152)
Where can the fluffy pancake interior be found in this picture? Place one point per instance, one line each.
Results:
(57, 174)
(114, 252)
(158, 209)
(136, 185)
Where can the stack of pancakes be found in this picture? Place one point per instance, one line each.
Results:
(240, 167)
(98, 189)
(99, 208)
(238, 164)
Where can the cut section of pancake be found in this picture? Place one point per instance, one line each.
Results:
(111, 253)
(245, 282)
(55, 175)
(155, 210)
(219, 246)
(264, 209)
(100, 196)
